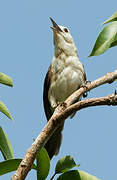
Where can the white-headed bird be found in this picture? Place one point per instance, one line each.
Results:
(65, 75)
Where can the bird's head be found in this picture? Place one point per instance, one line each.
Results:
(63, 39)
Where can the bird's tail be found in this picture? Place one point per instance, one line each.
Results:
(53, 144)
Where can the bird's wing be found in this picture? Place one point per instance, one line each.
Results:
(85, 77)
(47, 106)
(53, 144)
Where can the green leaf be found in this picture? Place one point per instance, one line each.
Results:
(76, 175)
(114, 44)
(106, 39)
(112, 18)
(86, 176)
(4, 110)
(64, 164)
(4, 79)
(11, 165)
(5, 146)
(43, 164)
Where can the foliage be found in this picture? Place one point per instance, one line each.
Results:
(64, 166)
(42, 167)
(76, 175)
(43, 164)
(107, 37)
(5, 146)
(11, 165)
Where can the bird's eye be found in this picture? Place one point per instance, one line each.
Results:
(65, 30)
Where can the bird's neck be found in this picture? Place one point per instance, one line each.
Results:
(62, 60)
(67, 50)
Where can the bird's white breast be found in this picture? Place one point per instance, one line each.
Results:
(67, 78)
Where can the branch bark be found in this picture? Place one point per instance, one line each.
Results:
(63, 111)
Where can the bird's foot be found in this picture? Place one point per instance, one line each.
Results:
(85, 85)
(115, 92)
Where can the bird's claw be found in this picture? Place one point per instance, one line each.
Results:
(85, 85)
(115, 92)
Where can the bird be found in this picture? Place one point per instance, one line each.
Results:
(65, 75)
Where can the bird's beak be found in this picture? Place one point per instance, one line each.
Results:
(55, 27)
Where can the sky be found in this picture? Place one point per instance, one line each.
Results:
(26, 50)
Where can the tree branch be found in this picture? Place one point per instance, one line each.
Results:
(63, 111)
(108, 78)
